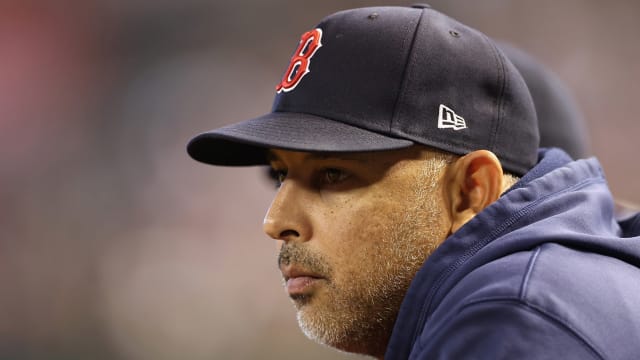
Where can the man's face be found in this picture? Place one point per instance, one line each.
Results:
(352, 230)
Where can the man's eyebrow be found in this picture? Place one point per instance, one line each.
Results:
(271, 157)
(348, 156)
(354, 156)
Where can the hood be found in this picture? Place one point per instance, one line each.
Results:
(561, 201)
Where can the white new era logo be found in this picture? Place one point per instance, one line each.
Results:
(448, 119)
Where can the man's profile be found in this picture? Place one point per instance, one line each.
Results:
(415, 216)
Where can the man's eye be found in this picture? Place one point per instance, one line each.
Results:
(278, 176)
(333, 176)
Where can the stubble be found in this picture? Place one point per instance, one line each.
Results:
(357, 314)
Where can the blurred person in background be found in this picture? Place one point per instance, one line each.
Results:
(415, 216)
(560, 121)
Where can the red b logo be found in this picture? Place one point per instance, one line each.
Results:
(299, 65)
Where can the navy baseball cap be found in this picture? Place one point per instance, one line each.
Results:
(383, 78)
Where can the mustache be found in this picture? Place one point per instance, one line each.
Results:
(301, 256)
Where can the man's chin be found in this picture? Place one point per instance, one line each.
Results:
(314, 320)
(332, 335)
(320, 323)
(323, 320)
(320, 333)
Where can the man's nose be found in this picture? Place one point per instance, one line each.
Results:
(287, 218)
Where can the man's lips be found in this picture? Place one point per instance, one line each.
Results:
(299, 281)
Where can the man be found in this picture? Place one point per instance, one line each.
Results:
(415, 218)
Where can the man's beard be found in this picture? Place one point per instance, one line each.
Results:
(357, 314)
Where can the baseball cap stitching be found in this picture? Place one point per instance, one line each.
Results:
(501, 84)
(407, 71)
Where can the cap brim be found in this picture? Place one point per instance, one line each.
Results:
(245, 143)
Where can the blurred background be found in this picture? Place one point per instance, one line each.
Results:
(114, 244)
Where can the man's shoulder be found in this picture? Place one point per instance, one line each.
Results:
(586, 298)
(572, 284)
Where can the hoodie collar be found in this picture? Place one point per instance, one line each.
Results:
(554, 173)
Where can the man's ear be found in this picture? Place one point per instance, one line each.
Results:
(474, 182)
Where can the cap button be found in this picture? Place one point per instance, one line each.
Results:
(421, 6)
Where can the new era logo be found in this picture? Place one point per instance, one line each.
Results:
(448, 119)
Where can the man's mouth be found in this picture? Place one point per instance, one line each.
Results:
(299, 282)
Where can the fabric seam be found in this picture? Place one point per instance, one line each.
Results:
(406, 75)
(529, 270)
